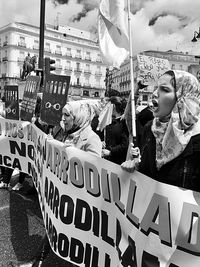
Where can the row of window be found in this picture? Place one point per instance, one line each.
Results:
(58, 50)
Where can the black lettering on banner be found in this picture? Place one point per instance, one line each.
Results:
(131, 197)
(87, 257)
(7, 160)
(92, 181)
(95, 257)
(14, 148)
(14, 130)
(76, 172)
(63, 245)
(96, 222)
(105, 185)
(116, 190)
(82, 208)
(63, 174)
(104, 229)
(188, 235)
(158, 206)
(76, 251)
(56, 203)
(66, 214)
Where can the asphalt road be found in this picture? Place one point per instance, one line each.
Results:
(21, 227)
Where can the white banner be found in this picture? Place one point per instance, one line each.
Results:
(95, 213)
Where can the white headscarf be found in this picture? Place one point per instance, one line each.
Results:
(173, 136)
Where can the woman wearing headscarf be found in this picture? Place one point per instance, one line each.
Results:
(171, 142)
(74, 130)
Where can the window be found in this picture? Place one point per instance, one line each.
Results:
(87, 56)
(87, 68)
(68, 66)
(78, 81)
(47, 47)
(58, 50)
(69, 52)
(36, 44)
(58, 64)
(77, 65)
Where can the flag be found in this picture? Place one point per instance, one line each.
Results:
(113, 32)
(105, 116)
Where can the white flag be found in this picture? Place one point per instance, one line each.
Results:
(113, 32)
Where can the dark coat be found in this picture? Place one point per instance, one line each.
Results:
(183, 171)
(117, 140)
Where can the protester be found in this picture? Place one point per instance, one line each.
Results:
(74, 131)
(116, 134)
(171, 149)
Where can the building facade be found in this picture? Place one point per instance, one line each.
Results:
(119, 79)
(75, 52)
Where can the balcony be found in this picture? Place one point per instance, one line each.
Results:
(98, 73)
(58, 52)
(4, 59)
(22, 44)
(68, 68)
(88, 58)
(5, 43)
(58, 66)
(77, 85)
(68, 55)
(36, 47)
(87, 85)
(47, 50)
(78, 56)
(87, 72)
(78, 70)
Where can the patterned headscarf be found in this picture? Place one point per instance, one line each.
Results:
(173, 136)
(81, 113)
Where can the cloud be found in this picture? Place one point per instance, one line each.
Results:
(157, 24)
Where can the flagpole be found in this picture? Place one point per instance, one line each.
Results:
(131, 76)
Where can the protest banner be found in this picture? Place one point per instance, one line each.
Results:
(30, 97)
(151, 68)
(54, 98)
(11, 102)
(96, 214)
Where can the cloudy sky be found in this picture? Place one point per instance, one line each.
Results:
(157, 24)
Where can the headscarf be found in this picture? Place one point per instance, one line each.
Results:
(184, 121)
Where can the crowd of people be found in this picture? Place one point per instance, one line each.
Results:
(169, 137)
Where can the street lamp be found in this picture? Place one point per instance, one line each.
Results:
(196, 36)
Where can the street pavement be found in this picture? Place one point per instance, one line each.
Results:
(22, 228)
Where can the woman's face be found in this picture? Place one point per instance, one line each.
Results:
(67, 120)
(163, 98)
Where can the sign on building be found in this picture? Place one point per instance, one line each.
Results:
(11, 102)
(151, 68)
(30, 97)
(54, 98)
